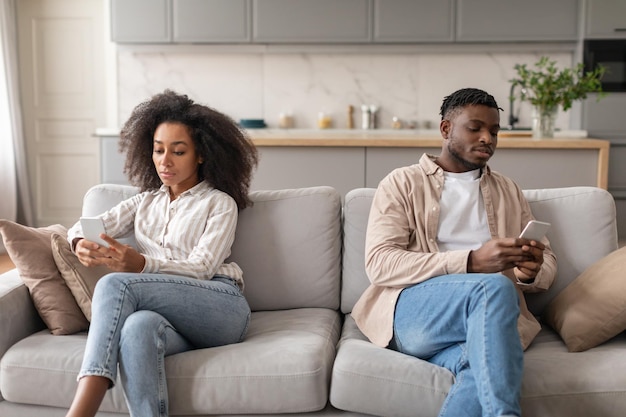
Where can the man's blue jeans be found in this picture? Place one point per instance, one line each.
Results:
(138, 319)
(466, 323)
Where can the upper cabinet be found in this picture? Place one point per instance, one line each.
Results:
(514, 20)
(355, 21)
(399, 21)
(605, 19)
(185, 21)
(206, 21)
(141, 21)
(311, 21)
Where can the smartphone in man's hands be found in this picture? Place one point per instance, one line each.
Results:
(535, 230)
(92, 228)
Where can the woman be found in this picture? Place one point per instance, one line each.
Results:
(175, 292)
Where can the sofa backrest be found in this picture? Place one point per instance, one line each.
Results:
(288, 244)
(289, 247)
(583, 231)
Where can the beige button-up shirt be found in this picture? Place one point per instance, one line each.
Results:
(190, 236)
(401, 244)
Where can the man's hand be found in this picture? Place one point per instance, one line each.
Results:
(527, 271)
(500, 254)
(117, 257)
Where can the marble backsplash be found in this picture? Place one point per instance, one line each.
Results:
(263, 85)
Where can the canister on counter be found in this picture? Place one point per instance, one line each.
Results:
(324, 120)
(285, 120)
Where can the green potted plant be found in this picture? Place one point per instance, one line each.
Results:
(546, 88)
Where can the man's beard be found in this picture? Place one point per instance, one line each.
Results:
(467, 164)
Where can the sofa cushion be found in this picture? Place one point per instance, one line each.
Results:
(569, 236)
(31, 251)
(560, 383)
(355, 216)
(374, 380)
(81, 280)
(592, 309)
(289, 247)
(284, 352)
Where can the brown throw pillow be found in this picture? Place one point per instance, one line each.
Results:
(30, 250)
(80, 279)
(592, 309)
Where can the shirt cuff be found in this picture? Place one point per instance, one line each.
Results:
(525, 283)
(151, 265)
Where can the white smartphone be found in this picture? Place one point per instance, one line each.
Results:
(535, 230)
(92, 228)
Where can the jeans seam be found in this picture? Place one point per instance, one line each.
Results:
(163, 411)
(484, 355)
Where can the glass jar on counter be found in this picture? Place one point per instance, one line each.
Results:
(285, 121)
(324, 120)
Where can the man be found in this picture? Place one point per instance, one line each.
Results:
(447, 266)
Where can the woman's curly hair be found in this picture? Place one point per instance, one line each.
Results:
(228, 154)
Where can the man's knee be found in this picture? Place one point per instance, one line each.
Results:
(503, 289)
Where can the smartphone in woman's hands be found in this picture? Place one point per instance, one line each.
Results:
(92, 228)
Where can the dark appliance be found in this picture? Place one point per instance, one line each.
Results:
(610, 53)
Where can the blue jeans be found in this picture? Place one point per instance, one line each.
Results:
(138, 319)
(466, 323)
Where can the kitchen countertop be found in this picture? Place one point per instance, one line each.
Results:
(402, 138)
(412, 138)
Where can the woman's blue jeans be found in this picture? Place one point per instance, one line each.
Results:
(466, 323)
(138, 319)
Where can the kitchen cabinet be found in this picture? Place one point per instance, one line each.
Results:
(605, 19)
(141, 21)
(605, 119)
(358, 21)
(514, 20)
(208, 21)
(311, 21)
(402, 21)
(180, 21)
(294, 167)
(578, 166)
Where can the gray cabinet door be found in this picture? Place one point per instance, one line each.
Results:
(211, 21)
(606, 19)
(515, 20)
(413, 21)
(311, 21)
(605, 117)
(141, 21)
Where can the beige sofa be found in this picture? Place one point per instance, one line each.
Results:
(302, 255)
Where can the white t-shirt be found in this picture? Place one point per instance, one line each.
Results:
(463, 219)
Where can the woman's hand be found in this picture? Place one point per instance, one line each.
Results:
(117, 257)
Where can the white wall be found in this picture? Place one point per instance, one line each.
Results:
(410, 86)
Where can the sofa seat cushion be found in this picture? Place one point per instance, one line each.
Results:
(374, 380)
(282, 366)
(558, 383)
(561, 383)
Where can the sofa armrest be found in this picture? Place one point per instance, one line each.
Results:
(18, 316)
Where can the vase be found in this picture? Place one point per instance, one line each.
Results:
(543, 121)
